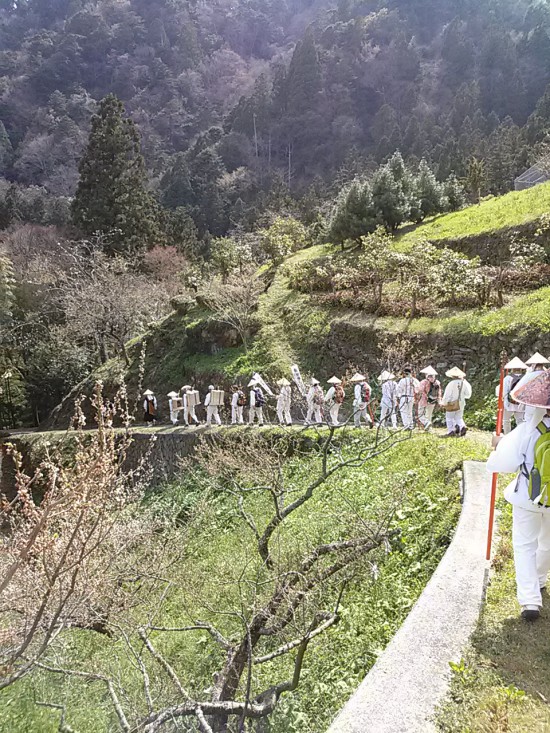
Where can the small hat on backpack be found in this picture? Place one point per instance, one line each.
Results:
(533, 390)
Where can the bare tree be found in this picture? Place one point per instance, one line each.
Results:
(65, 559)
(285, 596)
(106, 303)
(235, 300)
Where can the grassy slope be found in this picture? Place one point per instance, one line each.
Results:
(218, 546)
(293, 327)
(512, 209)
(503, 683)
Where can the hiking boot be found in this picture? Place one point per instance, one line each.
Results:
(463, 431)
(530, 613)
(457, 431)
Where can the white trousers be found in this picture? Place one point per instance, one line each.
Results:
(313, 411)
(190, 415)
(388, 411)
(213, 412)
(531, 541)
(407, 418)
(283, 413)
(256, 412)
(237, 415)
(174, 416)
(425, 414)
(507, 421)
(361, 411)
(455, 420)
(334, 410)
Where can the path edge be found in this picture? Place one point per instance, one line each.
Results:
(402, 691)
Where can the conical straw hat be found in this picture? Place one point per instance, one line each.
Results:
(386, 376)
(357, 378)
(314, 381)
(148, 393)
(516, 363)
(535, 391)
(283, 382)
(334, 380)
(429, 371)
(537, 359)
(172, 395)
(455, 373)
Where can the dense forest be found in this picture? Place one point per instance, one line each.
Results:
(236, 99)
(190, 139)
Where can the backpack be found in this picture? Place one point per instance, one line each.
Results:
(339, 394)
(433, 393)
(318, 397)
(260, 399)
(539, 478)
(516, 378)
(241, 398)
(365, 392)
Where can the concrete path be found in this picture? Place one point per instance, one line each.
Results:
(408, 681)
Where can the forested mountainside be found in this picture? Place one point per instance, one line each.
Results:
(233, 97)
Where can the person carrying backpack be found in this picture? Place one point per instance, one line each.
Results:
(257, 402)
(406, 392)
(238, 401)
(428, 395)
(284, 401)
(388, 403)
(454, 401)
(512, 409)
(334, 398)
(527, 450)
(315, 400)
(361, 400)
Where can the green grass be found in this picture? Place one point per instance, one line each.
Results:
(218, 549)
(512, 209)
(503, 683)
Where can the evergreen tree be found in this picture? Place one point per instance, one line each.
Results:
(454, 193)
(111, 197)
(429, 192)
(353, 214)
(476, 177)
(304, 77)
(6, 150)
(389, 200)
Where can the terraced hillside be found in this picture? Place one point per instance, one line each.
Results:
(332, 331)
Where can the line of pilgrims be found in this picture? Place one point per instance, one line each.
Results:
(407, 399)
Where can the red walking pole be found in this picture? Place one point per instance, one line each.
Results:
(500, 418)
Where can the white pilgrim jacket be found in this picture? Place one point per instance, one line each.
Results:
(514, 451)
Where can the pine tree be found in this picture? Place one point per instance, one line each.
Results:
(429, 191)
(389, 200)
(111, 197)
(353, 215)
